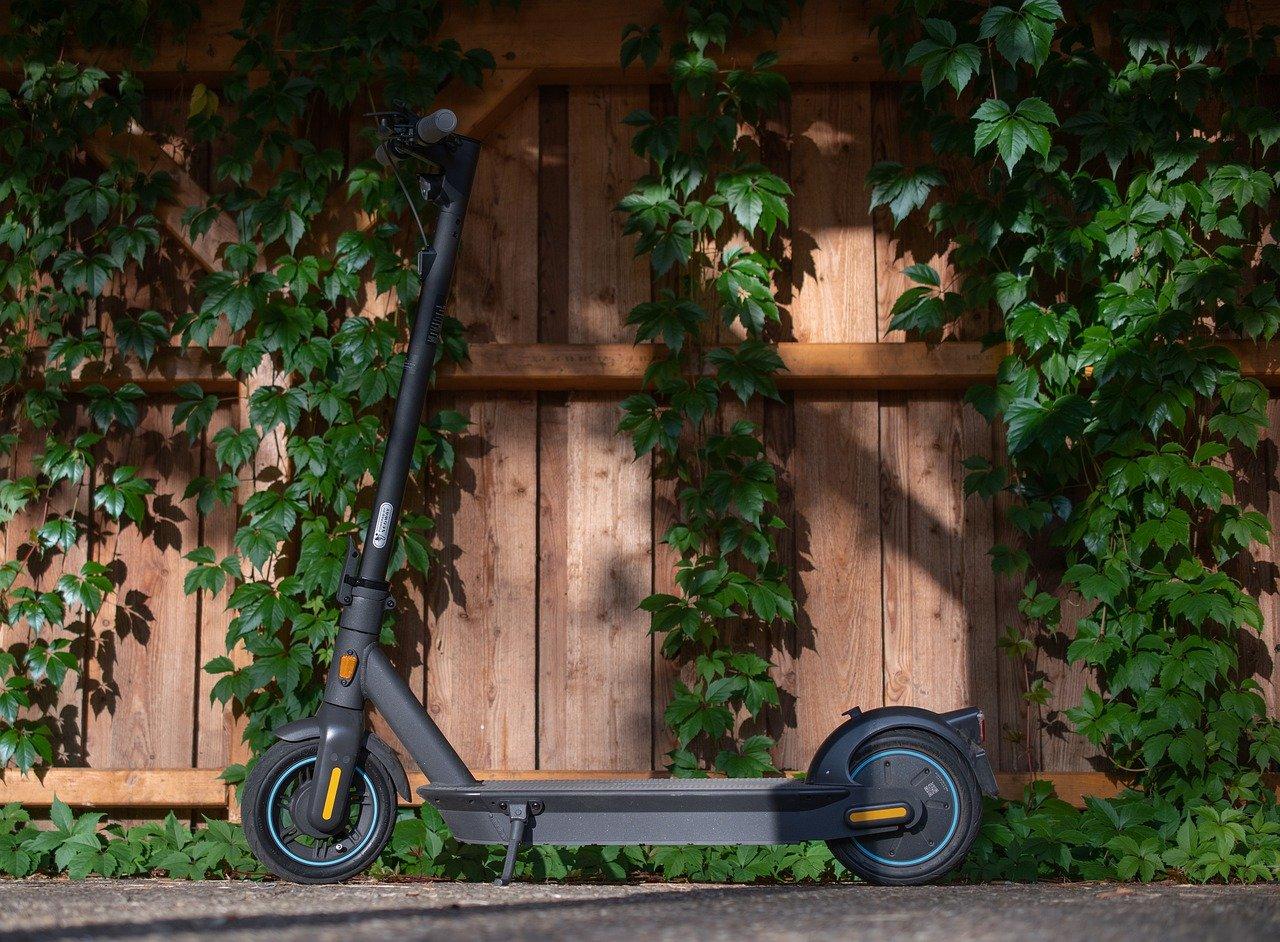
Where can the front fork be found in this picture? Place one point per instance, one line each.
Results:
(341, 716)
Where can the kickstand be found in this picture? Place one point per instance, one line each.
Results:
(519, 815)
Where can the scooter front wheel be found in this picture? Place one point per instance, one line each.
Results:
(937, 841)
(281, 784)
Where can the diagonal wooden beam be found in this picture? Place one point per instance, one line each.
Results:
(481, 110)
(135, 144)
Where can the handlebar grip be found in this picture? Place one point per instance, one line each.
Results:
(437, 126)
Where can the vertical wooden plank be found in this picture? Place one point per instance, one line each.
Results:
(215, 729)
(836, 452)
(481, 664)
(594, 688)
(1263, 493)
(833, 250)
(839, 645)
(553, 408)
(63, 707)
(940, 633)
(142, 679)
(896, 247)
(1061, 748)
(1014, 741)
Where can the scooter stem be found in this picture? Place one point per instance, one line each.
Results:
(367, 597)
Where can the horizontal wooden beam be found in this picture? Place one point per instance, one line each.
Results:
(204, 789)
(169, 369)
(609, 367)
(571, 42)
(566, 40)
(620, 367)
(117, 788)
(809, 367)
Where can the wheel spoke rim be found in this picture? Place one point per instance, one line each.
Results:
(290, 838)
(937, 793)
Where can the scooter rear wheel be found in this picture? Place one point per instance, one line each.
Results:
(281, 783)
(937, 842)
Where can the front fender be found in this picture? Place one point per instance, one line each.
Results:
(309, 728)
(830, 762)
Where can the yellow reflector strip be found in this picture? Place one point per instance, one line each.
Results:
(332, 795)
(872, 814)
(347, 666)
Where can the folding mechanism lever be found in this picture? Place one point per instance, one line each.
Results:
(350, 580)
(350, 566)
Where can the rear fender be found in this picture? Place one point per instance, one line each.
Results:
(961, 728)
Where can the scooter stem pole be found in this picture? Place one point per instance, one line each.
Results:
(423, 342)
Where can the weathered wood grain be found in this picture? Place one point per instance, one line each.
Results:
(594, 664)
(940, 628)
(216, 730)
(482, 659)
(836, 453)
(142, 668)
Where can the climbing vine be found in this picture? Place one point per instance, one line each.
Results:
(705, 215)
(70, 231)
(1106, 175)
(316, 328)
(318, 324)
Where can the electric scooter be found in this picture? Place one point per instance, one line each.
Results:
(895, 792)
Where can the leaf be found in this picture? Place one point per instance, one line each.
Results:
(941, 58)
(1013, 131)
(900, 189)
(226, 295)
(1022, 35)
(203, 103)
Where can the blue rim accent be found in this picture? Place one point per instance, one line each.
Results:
(271, 824)
(955, 804)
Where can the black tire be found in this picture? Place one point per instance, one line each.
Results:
(279, 776)
(937, 843)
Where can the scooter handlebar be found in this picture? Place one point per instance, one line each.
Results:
(437, 126)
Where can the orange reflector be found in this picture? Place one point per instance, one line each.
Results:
(869, 815)
(347, 666)
(332, 794)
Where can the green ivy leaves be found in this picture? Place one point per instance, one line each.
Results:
(1136, 233)
(70, 236)
(942, 58)
(703, 185)
(1024, 34)
(1013, 130)
(902, 190)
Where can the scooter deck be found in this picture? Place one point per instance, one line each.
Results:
(645, 811)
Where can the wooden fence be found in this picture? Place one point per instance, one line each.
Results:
(526, 643)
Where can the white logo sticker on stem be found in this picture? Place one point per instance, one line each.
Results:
(383, 527)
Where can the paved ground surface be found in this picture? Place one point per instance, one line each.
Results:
(54, 911)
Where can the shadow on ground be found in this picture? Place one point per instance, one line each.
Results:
(60, 911)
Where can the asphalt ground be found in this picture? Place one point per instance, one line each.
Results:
(62, 910)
